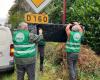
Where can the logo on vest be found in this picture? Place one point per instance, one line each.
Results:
(76, 36)
(19, 37)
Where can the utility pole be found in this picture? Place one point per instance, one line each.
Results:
(64, 12)
(63, 22)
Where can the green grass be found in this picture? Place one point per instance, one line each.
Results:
(88, 76)
(49, 73)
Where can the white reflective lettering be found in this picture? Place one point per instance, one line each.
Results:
(71, 47)
(23, 46)
(24, 52)
(70, 43)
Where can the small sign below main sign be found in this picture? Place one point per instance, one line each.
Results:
(36, 18)
(38, 5)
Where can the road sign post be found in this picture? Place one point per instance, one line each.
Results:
(64, 12)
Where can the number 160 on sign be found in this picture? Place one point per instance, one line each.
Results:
(36, 18)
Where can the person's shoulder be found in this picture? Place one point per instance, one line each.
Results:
(72, 32)
(15, 31)
(26, 31)
(81, 32)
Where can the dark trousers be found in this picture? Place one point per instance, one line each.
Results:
(29, 68)
(41, 51)
(72, 59)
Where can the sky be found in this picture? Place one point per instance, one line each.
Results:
(5, 5)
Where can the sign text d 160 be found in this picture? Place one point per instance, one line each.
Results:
(36, 18)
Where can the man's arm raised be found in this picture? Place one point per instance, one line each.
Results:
(68, 30)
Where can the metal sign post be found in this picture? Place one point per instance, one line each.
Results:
(64, 12)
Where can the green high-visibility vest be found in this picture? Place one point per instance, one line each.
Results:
(73, 44)
(22, 47)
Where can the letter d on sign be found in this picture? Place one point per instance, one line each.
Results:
(28, 18)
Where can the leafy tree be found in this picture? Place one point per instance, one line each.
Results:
(16, 14)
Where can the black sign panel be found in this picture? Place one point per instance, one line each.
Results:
(53, 32)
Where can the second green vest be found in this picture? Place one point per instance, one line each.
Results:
(73, 44)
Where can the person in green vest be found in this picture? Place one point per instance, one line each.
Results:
(72, 49)
(25, 51)
(41, 46)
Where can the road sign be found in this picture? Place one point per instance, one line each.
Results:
(36, 18)
(38, 5)
(53, 32)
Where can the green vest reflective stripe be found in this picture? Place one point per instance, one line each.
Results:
(22, 47)
(30, 45)
(73, 44)
(25, 52)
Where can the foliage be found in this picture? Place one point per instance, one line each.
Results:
(87, 76)
(87, 12)
(15, 19)
(16, 14)
(89, 62)
(54, 10)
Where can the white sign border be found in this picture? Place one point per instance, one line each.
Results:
(41, 7)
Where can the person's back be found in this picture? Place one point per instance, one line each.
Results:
(25, 51)
(74, 42)
(22, 45)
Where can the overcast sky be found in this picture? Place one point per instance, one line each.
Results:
(5, 5)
